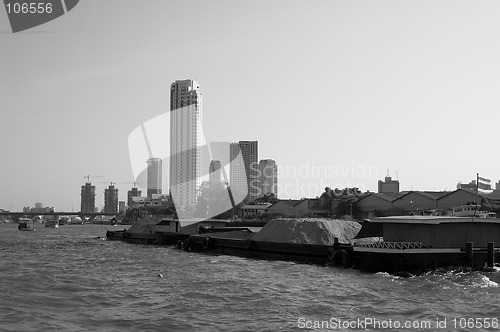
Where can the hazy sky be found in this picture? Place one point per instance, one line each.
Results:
(335, 91)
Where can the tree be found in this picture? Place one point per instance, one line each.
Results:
(327, 194)
(212, 200)
(267, 198)
(341, 202)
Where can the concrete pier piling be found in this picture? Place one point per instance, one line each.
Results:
(469, 246)
(491, 254)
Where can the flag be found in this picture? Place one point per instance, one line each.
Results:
(483, 179)
(483, 183)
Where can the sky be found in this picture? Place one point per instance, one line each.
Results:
(337, 92)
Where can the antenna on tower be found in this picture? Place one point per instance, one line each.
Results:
(387, 171)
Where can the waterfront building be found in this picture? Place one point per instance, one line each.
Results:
(214, 171)
(298, 208)
(244, 178)
(154, 176)
(472, 185)
(254, 211)
(373, 204)
(38, 209)
(459, 197)
(111, 199)
(134, 192)
(268, 177)
(156, 200)
(389, 186)
(469, 186)
(185, 141)
(415, 201)
(87, 198)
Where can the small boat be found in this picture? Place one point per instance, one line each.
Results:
(472, 210)
(25, 224)
(54, 223)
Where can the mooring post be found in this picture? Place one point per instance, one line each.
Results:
(491, 254)
(470, 258)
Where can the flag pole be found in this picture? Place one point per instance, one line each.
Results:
(477, 191)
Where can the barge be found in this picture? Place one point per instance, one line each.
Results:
(308, 241)
(412, 243)
(156, 238)
(240, 244)
(163, 232)
(390, 244)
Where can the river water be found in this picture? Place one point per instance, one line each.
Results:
(72, 279)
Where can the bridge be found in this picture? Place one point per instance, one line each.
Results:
(90, 215)
(57, 213)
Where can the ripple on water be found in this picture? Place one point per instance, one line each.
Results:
(72, 280)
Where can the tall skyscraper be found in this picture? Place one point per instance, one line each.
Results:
(111, 199)
(154, 175)
(244, 179)
(185, 141)
(268, 180)
(88, 198)
(214, 171)
(134, 192)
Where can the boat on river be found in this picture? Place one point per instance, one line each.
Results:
(472, 210)
(25, 224)
(54, 223)
(421, 242)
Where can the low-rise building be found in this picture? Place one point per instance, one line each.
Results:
(155, 200)
(283, 208)
(415, 201)
(38, 209)
(312, 207)
(457, 198)
(376, 204)
(299, 208)
(254, 211)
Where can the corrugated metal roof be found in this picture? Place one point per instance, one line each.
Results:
(385, 197)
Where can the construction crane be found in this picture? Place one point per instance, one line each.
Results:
(111, 183)
(91, 176)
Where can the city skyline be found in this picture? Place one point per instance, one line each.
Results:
(352, 90)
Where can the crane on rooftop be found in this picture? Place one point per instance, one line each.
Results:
(91, 176)
(134, 183)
